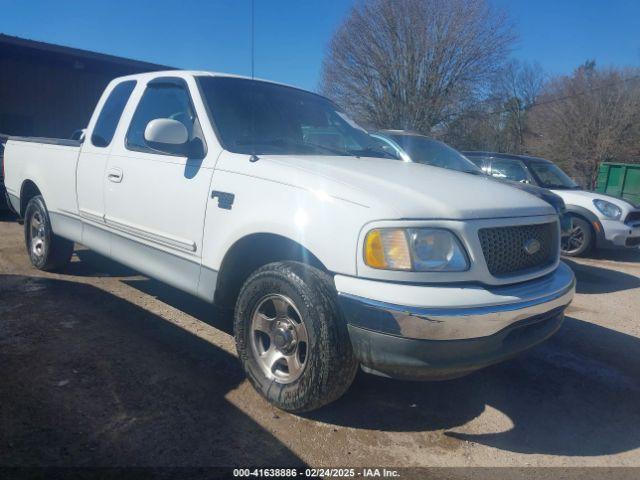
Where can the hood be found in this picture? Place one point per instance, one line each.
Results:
(406, 190)
(582, 197)
(544, 194)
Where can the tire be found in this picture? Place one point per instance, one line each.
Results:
(46, 250)
(294, 301)
(580, 240)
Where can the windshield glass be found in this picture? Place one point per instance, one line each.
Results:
(255, 117)
(431, 152)
(550, 176)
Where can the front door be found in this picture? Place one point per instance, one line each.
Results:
(155, 202)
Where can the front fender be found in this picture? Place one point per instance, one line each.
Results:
(326, 226)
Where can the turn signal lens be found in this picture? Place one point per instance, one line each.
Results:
(387, 248)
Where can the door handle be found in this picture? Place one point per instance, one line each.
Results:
(114, 175)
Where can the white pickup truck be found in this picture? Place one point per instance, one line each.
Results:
(270, 200)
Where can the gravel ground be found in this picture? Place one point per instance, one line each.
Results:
(103, 367)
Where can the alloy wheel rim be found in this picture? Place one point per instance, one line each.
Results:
(38, 235)
(279, 338)
(574, 241)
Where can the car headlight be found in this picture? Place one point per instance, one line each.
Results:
(608, 209)
(414, 249)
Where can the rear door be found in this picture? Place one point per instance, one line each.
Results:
(92, 165)
(155, 202)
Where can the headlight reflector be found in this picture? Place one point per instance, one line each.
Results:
(608, 209)
(417, 249)
(436, 250)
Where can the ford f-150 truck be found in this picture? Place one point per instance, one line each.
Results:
(271, 200)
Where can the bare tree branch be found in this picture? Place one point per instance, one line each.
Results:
(411, 64)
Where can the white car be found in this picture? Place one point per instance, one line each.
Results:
(599, 220)
(270, 200)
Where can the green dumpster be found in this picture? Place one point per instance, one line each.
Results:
(620, 180)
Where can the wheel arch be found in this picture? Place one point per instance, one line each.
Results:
(251, 252)
(589, 217)
(28, 190)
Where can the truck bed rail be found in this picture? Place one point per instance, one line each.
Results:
(50, 141)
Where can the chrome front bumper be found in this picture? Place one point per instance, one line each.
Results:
(458, 312)
(472, 326)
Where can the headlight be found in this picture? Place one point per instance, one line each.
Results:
(608, 209)
(417, 249)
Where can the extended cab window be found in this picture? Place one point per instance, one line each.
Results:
(160, 100)
(111, 112)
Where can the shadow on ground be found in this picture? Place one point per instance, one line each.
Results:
(626, 255)
(91, 379)
(593, 280)
(216, 317)
(141, 390)
(91, 264)
(7, 216)
(577, 394)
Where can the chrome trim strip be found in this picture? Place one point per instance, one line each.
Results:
(102, 220)
(186, 245)
(93, 216)
(68, 213)
(107, 229)
(450, 323)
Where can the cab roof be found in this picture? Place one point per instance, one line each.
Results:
(195, 73)
(509, 156)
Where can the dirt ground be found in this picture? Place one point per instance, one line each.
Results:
(103, 367)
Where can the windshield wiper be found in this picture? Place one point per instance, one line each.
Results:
(283, 142)
(363, 152)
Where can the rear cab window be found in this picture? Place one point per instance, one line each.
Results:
(110, 114)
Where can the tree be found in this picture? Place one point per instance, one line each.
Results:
(517, 89)
(413, 64)
(499, 123)
(587, 118)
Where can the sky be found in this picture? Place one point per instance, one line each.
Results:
(291, 36)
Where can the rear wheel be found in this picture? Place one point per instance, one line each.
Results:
(46, 250)
(291, 338)
(580, 239)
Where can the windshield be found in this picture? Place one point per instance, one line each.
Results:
(255, 117)
(431, 152)
(549, 175)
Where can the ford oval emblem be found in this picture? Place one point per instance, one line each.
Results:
(531, 246)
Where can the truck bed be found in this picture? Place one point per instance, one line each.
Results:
(50, 163)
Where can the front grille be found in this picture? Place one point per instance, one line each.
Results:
(632, 217)
(504, 248)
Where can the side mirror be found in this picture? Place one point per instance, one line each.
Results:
(165, 132)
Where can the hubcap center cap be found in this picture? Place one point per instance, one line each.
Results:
(284, 339)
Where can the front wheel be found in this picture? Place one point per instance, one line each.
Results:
(291, 338)
(580, 239)
(46, 250)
